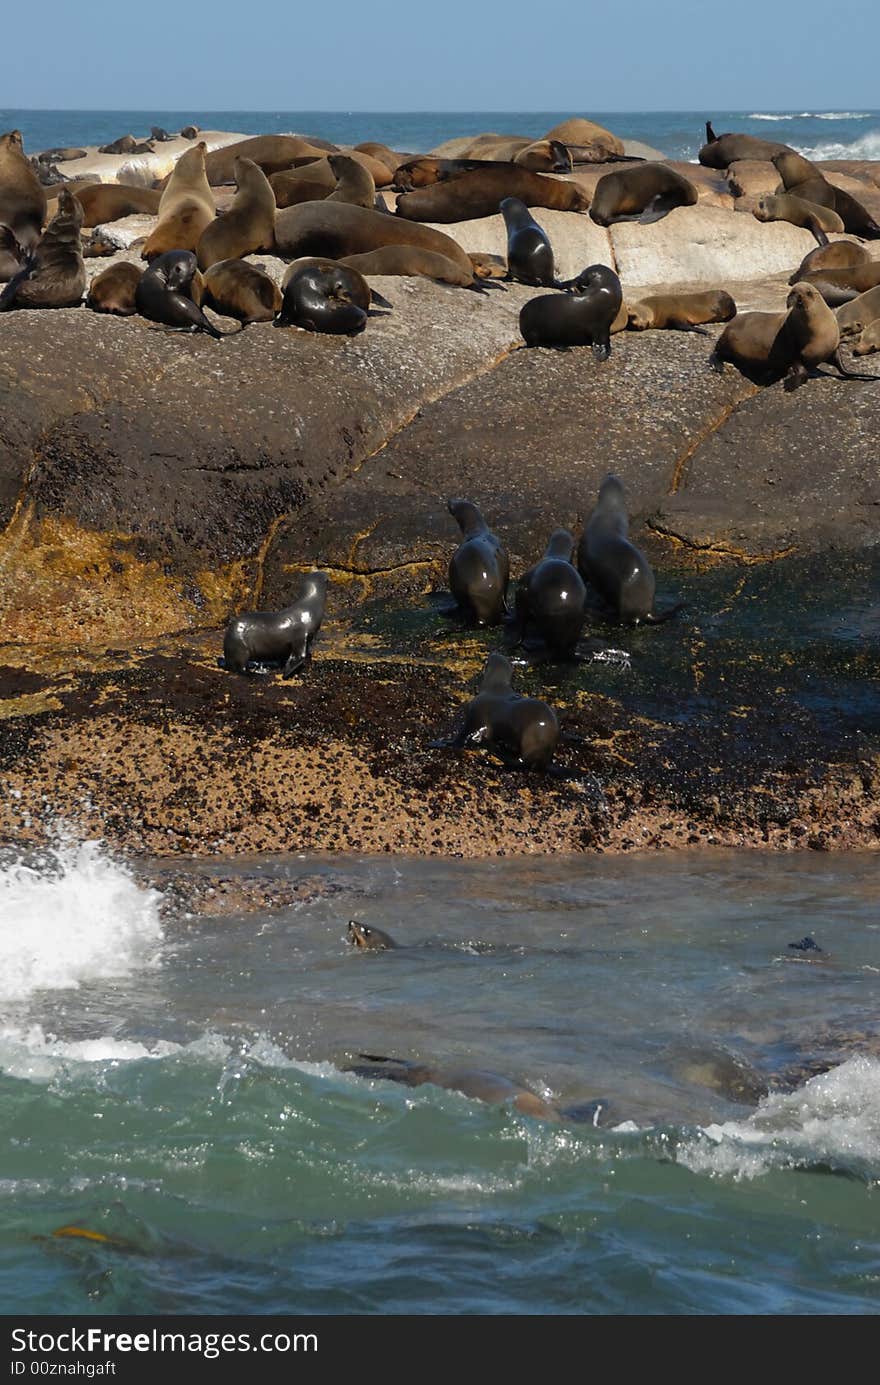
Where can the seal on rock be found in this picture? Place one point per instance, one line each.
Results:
(159, 135)
(840, 285)
(324, 296)
(104, 202)
(54, 275)
(609, 559)
(313, 182)
(578, 131)
(788, 207)
(522, 727)
(271, 153)
(337, 230)
(581, 318)
(551, 599)
(186, 208)
(61, 156)
(853, 317)
(720, 151)
(164, 294)
(806, 181)
(190, 132)
(544, 156)
(681, 312)
(355, 184)
(838, 254)
(278, 637)
(369, 939)
(645, 192)
(249, 224)
(529, 252)
(22, 196)
(413, 261)
(126, 144)
(869, 341)
(11, 255)
(480, 192)
(237, 289)
(114, 289)
(479, 569)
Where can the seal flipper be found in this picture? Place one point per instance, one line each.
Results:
(657, 208)
(661, 617)
(845, 372)
(711, 137)
(678, 324)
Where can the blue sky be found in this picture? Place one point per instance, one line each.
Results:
(443, 55)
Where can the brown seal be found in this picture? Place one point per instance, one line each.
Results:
(839, 254)
(576, 130)
(413, 261)
(381, 152)
(22, 196)
(766, 347)
(126, 144)
(643, 192)
(54, 275)
(788, 207)
(355, 183)
(189, 132)
(609, 560)
(523, 729)
(337, 230)
(720, 151)
(853, 317)
(248, 225)
(103, 202)
(271, 153)
(311, 182)
(475, 1083)
(683, 312)
(369, 939)
(11, 255)
(869, 341)
(114, 289)
(187, 206)
(805, 180)
(840, 285)
(234, 288)
(481, 192)
(544, 156)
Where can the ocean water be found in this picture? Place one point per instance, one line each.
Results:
(177, 1084)
(677, 134)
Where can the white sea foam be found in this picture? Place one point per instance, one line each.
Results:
(833, 1119)
(811, 115)
(868, 147)
(78, 916)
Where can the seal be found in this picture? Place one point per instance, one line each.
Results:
(10, 255)
(283, 638)
(810, 215)
(578, 131)
(237, 289)
(104, 202)
(381, 152)
(581, 318)
(126, 144)
(22, 196)
(838, 254)
(545, 156)
(519, 727)
(324, 296)
(766, 347)
(354, 183)
(249, 224)
(720, 151)
(164, 294)
(480, 192)
(489, 1087)
(869, 341)
(114, 289)
(369, 939)
(609, 560)
(336, 230)
(190, 132)
(529, 252)
(681, 312)
(312, 182)
(159, 135)
(411, 260)
(840, 285)
(54, 275)
(853, 317)
(644, 192)
(186, 208)
(479, 569)
(61, 156)
(551, 598)
(97, 247)
(806, 181)
(271, 153)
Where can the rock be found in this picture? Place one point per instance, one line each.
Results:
(142, 169)
(705, 245)
(577, 241)
(751, 178)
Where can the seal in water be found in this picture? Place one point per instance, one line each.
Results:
(369, 939)
(681, 312)
(114, 289)
(22, 196)
(608, 559)
(645, 192)
(479, 569)
(517, 726)
(323, 296)
(581, 318)
(529, 252)
(551, 598)
(237, 289)
(54, 275)
(281, 637)
(470, 1082)
(164, 294)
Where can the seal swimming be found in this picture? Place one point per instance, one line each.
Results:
(479, 569)
(369, 939)
(551, 599)
(470, 1082)
(581, 318)
(281, 637)
(609, 559)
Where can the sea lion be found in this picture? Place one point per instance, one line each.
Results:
(381, 152)
(766, 347)
(22, 196)
(190, 132)
(324, 296)
(164, 294)
(479, 569)
(720, 151)
(271, 153)
(159, 135)
(853, 317)
(96, 247)
(369, 939)
(840, 285)
(104, 202)
(576, 130)
(126, 144)
(645, 192)
(54, 275)
(355, 184)
(609, 559)
(869, 341)
(61, 156)
(544, 156)
(517, 726)
(145, 147)
(838, 254)
(186, 208)
(470, 1082)
(11, 255)
(426, 170)
(806, 181)
(312, 183)
(411, 260)
(551, 598)
(529, 252)
(337, 230)
(682, 312)
(581, 318)
(788, 207)
(114, 289)
(249, 224)
(480, 192)
(234, 288)
(279, 637)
